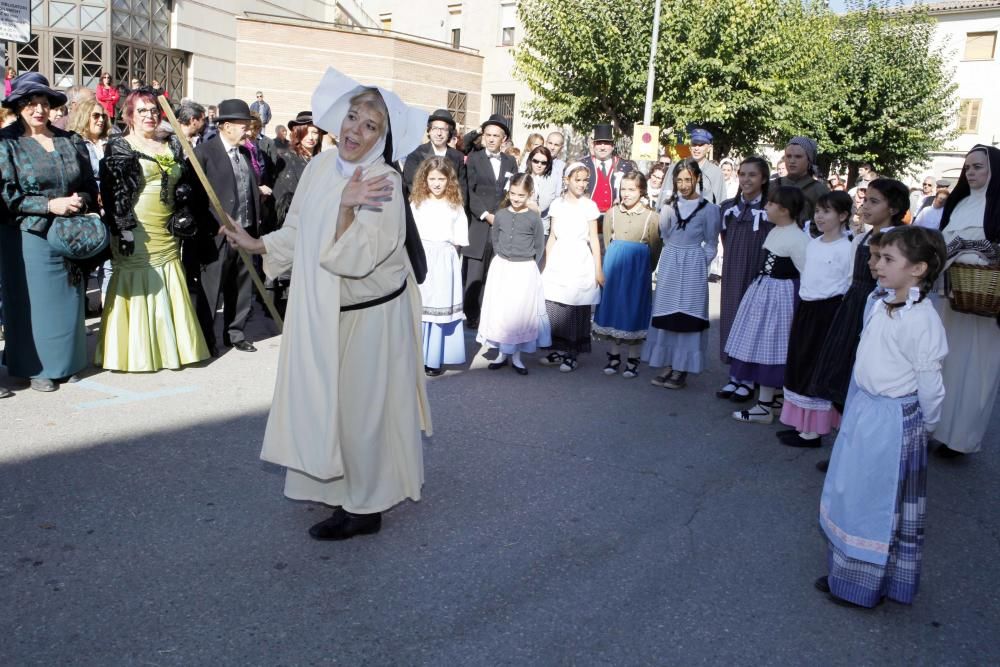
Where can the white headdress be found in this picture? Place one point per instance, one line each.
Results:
(332, 100)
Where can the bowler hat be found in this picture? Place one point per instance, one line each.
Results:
(303, 118)
(233, 110)
(443, 115)
(499, 121)
(30, 84)
(603, 132)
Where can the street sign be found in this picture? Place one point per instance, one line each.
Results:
(15, 21)
(645, 142)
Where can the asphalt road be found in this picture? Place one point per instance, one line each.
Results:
(567, 519)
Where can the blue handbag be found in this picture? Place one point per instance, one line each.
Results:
(78, 236)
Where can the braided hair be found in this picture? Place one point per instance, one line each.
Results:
(919, 244)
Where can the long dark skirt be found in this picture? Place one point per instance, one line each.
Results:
(809, 328)
(570, 326)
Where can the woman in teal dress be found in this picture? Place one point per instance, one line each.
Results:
(148, 321)
(44, 172)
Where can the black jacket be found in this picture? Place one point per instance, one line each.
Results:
(421, 153)
(484, 193)
(219, 170)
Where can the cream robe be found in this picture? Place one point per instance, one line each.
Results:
(350, 400)
(972, 368)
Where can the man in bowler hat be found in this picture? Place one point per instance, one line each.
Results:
(228, 166)
(487, 174)
(606, 168)
(440, 130)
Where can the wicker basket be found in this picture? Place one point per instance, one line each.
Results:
(975, 289)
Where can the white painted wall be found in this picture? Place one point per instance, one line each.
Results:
(207, 30)
(976, 79)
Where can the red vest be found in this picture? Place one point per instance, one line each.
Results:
(602, 195)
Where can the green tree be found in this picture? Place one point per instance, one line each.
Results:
(585, 61)
(897, 102)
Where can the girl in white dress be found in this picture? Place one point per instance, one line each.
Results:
(440, 217)
(573, 275)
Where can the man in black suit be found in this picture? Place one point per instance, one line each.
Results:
(229, 169)
(487, 173)
(440, 129)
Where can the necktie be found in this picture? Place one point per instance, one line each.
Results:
(604, 167)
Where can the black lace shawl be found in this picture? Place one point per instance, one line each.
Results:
(122, 180)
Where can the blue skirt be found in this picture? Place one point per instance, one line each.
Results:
(46, 336)
(626, 301)
(444, 343)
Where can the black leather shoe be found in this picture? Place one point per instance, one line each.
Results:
(43, 384)
(520, 370)
(344, 525)
(822, 584)
(244, 346)
(945, 452)
(433, 372)
(823, 465)
(795, 440)
(497, 364)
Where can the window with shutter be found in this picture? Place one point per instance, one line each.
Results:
(980, 45)
(968, 116)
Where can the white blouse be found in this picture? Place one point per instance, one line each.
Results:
(828, 269)
(901, 353)
(788, 241)
(438, 220)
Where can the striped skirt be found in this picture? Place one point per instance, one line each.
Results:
(865, 583)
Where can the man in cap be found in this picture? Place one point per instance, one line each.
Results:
(606, 168)
(228, 167)
(440, 129)
(487, 174)
(713, 185)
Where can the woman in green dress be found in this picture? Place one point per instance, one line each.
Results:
(45, 172)
(148, 321)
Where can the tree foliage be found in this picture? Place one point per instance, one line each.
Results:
(868, 85)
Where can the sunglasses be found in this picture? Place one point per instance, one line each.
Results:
(540, 162)
(97, 116)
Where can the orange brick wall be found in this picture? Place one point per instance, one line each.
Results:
(286, 62)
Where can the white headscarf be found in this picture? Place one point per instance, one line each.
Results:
(332, 100)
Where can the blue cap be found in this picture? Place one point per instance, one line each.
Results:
(701, 136)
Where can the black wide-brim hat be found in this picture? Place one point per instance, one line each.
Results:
(233, 110)
(28, 85)
(499, 121)
(444, 116)
(304, 118)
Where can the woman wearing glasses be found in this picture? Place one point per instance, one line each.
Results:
(45, 173)
(148, 321)
(108, 94)
(547, 185)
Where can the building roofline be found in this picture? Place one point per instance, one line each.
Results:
(344, 27)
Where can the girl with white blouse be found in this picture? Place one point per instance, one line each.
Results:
(440, 217)
(825, 279)
(873, 507)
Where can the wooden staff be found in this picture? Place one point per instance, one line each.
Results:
(217, 207)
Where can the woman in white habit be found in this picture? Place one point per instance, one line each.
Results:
(349, 401)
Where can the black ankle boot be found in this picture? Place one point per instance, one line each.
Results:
(344, 525)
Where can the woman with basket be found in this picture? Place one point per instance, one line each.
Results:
(971, 227)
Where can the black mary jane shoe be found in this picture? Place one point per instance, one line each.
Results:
(497, 365)
(823, 465)
(343, 525)
(795, 440)
(822, 584)
(520, 370)
(433, 372)
(945, 452)
(726, 392)
(737, 397)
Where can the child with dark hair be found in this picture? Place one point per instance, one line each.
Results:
(513, 318)
(758, 341)
(744, 228)
(873, 507)
(886, 202)
(689, 226)
(826, 277)
(632, 244)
